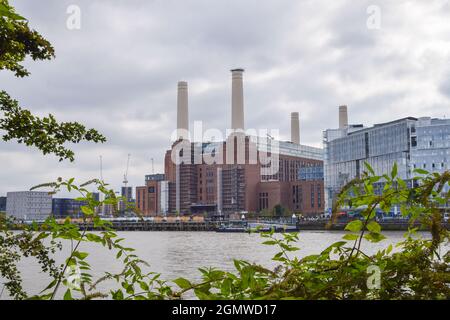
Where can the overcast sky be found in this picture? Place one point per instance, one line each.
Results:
(119, 72)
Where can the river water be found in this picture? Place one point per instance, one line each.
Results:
(180, 254)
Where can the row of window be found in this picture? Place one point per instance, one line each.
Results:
(433, 165)
(315, 193)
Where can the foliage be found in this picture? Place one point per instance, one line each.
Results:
(43, 241)
(46, 133)
(279, 211)
(18, 41)
(413, 269)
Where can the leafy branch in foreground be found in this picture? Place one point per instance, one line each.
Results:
(414, 269)
(33, 241)
(46, 133)
(18, 41)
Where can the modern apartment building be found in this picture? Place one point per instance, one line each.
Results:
(409, 142)
(29, 205)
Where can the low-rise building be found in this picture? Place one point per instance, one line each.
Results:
(29, 205)
(65, 207)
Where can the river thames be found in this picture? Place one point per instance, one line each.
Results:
(180, 254)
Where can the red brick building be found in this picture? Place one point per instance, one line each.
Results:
(245, 173)
(223, 188)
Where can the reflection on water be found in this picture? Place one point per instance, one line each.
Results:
(180, 254)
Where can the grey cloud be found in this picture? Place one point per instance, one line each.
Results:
(119, 73)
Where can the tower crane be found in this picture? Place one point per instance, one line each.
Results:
(125, 176)
(125, 181)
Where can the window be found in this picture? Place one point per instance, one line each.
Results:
(319, 196)
(263, 200)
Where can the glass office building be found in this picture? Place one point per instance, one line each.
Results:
(409, 142)
(431, 145)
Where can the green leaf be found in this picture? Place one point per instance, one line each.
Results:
(394, 171)
(354, 226)
(201, 295)
(420, 171)
(68, 295)
(117, 295)
(334, 245)
(225, 289)
(5, 11)
(374, 227)
(51, 285)
(374, 237)
(93, 237)
(389, 249)
(87, 211)
(183, 283)
(369, 168)
(80, 255)
(279, 257)
(350, 236)
(144, 286)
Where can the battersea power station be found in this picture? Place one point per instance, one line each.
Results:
(239, 172)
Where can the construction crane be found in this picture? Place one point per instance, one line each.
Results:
(125, 176)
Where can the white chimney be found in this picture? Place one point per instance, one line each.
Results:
(295, 128)
(237, 100)
(182, 111)
(343, 117)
